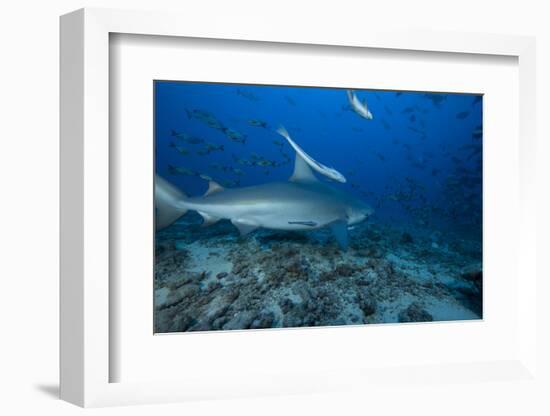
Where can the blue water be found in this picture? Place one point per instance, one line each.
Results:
(417, 162)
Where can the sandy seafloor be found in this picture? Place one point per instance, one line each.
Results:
(210, 278)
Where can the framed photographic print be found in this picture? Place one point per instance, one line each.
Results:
(273, 213)
(390, 232)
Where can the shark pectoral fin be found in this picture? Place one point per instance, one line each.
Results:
(340, 230)
(208, 219)
(244, 227)
(307, 223)
(213, 187)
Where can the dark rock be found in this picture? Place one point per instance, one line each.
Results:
(282, 237)
(218, 312)
(182, 323)
(367, 303)
(218, 323)
(297, 267)
(414, 313)
(406, 238)
(344, 270)
(475, 276)
(327, 276)
(265, 320)
(241, 320)
(286, 305)
(230, 296)
(212, 286)
(371, 252)
(200, 326)
(363, 282)
(472, 296)
(240, 268)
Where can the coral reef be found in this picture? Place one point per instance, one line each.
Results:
(210, 278)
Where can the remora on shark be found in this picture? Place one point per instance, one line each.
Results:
(301, 203)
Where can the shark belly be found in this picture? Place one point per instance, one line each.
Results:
(279, 207)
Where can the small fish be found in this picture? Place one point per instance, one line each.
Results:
(408, 110)
(360, 107)
(278, 143)
(230, 183)
(412, 118)
(290, 100)
(477, 133)
(179, 149)
(205, 117)
(248, 95)
(462, 115)
(475, 152)
(398, 94)
(436, 99)
(265, 163)
(241, 161)
(203, 152)
(186, 137)
(173, 170)
(257, 123)
(205, 177)
(235, 135)
(477, 99)
(214, 147)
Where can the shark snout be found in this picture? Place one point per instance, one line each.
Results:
(359, 215)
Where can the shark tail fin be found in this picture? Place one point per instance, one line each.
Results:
(283, 132)
(168, 203)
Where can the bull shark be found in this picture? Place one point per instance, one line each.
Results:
(301, 203)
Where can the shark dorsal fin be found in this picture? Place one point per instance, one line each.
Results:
(213, 187)
(302, 171)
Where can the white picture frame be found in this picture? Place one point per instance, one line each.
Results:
(85, 208)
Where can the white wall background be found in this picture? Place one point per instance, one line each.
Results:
(29, 205)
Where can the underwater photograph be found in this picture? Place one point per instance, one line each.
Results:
(287, 207)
